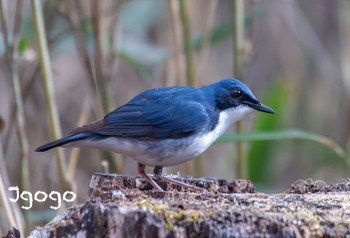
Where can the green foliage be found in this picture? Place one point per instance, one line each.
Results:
(23, 44)
(259, 151)
(88, 28)
(284, 135)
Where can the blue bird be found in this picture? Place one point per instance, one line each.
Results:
(167, 126)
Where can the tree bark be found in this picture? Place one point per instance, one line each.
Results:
(126, 206)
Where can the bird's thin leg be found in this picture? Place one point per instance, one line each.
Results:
(157, 171)
(141, 171)
(158, 174)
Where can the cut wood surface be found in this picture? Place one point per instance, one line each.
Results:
(127, 206)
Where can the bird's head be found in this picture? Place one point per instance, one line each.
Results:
(232, 93)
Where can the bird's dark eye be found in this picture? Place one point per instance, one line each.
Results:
(236, 93)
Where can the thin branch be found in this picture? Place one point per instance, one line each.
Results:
(11, 52)
(238, 36)
(47, 81)
(237, 41)
(74, 155)
(190, 70)
(18, 18)
(99, 57)
(79, 39)
(205, 46)
(12, 212)
(75, 21)
(186, 29)
(112, 29)
(3, 20)
(174, 20)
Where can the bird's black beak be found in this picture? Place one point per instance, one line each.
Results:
(260, 107)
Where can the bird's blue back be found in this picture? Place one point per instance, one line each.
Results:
(170, 112)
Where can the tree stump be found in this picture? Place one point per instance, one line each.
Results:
(126, 206)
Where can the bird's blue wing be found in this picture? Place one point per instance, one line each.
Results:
(155, 120)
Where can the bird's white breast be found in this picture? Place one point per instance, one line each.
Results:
(226, 119)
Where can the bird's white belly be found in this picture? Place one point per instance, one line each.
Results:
(167, 152)
(164, 153)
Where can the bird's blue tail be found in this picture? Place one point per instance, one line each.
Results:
(63, 141)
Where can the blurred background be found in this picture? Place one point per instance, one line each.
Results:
(65, 63)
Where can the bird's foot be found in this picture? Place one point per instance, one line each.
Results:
(141, 170)
(158, 175)
(182, 184)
